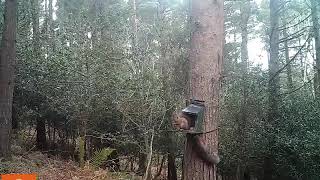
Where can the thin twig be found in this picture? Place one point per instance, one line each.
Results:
(297, 89)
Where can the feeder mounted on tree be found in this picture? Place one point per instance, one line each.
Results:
(195, 111)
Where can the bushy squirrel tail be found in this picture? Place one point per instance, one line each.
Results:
(202, 151)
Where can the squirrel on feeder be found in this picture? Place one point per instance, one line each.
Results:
(182, 122)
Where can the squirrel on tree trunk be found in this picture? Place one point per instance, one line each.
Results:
(182, 121)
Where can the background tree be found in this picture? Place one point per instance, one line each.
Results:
(7, 65)
(316, 29)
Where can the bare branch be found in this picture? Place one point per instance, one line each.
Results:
(292, 59)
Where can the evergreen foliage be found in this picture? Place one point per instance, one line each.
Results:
(126, 69)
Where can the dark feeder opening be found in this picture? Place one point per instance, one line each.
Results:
(195, 111)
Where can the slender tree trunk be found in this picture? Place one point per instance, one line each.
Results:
(51, 29)
(35, 28)
(41, 134)
(7, 64)
(54, 135)
(303, 65)
(143, 157)
(135, 38)
(156, 176)
(50, 44)
(134, 23)
(148, 174)
(245, 10)
(15, 124)
(316, 29)
(142, 164)
(245, 14)
(83, 119)
(172, 169)
(206, 60)
(289, 70)
(274, 86)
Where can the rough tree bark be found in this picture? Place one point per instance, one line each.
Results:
(316, 28)
(7, 64)
(206, 60)
(274, 85)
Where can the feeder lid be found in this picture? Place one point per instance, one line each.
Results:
(193, 109)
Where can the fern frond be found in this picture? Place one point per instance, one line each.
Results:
(100, 156)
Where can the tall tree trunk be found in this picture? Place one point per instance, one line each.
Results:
(51, 29)
(135, 38)
(274, 86)
(245, 14)
(40, 126)
(7, 64)
(134, 23)
(289, 70)
(50, 44)
(316, 28)
(206, 60)
(35, 28)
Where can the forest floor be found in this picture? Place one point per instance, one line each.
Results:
(55, 168)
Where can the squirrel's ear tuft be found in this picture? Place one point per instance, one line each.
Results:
(174, 115)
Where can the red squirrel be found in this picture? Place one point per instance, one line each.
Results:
(182, 122)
